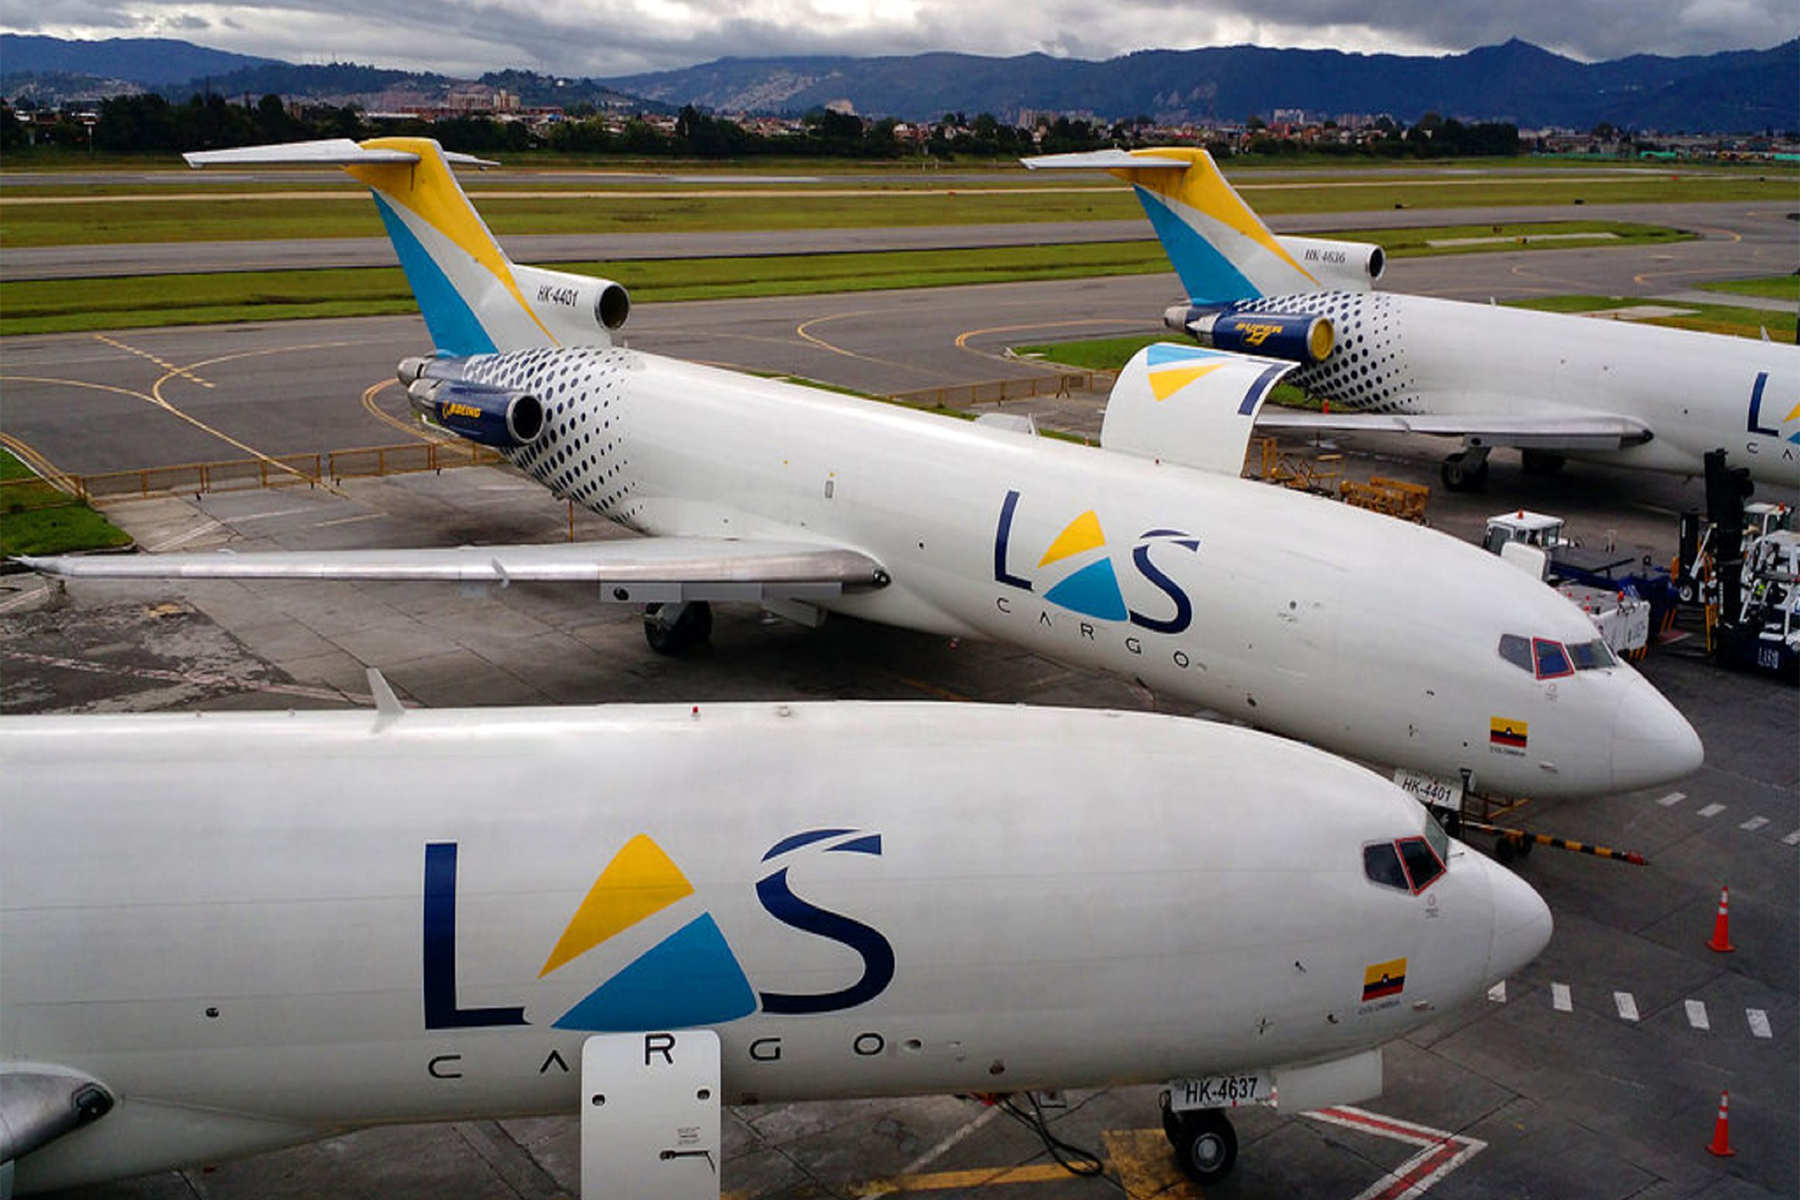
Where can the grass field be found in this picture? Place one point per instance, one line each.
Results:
(35, 518)
(1485, 239)
(27, 219)
(1774, 287)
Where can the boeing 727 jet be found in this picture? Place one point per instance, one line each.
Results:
(1551, 385)
(224, 933)
(1147, 556)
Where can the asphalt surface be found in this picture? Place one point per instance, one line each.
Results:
(1743, 239)
(1551, 1088)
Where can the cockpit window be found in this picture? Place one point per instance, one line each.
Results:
(1516, 650)
(1552, 659)
(1409, 864)
(1381, 863)
(1589, 656)
(1421, 862)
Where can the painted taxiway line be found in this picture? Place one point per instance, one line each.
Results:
(1562, 999)
(1440, 1153)
(1752, 825)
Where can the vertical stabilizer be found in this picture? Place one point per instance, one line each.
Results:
(468, 291)
(1220, 248)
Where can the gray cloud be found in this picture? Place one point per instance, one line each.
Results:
(612, 37)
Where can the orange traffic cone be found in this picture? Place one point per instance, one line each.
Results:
(1721, 1143)
(1721, 938)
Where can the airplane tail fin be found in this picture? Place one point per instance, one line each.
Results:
(473, 298)
(1220, 248)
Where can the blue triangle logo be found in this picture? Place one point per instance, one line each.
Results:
(1163, 353)
(1092, 591)
(689, 978)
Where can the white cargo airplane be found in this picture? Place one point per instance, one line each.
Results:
(224, 933)
(1554, 387)
(1149, 556)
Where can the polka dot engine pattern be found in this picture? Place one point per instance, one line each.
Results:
(1367, 368)
(583, 453)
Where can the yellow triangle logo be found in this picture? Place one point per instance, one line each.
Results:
(1083, 533)
(1167, 382)
(639, 881)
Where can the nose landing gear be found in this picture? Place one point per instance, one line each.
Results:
(1204, 1141)
(674, 629)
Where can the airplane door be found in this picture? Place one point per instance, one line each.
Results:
(650, 1115)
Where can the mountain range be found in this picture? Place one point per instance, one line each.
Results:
(1734, 91)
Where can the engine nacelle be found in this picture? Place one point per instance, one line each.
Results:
(1338, 266)
(1297, 337)
(578, 310)
(492, 416)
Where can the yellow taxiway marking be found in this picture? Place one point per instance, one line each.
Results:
(803, 331)
(1145, 1165)
(943, 1181)
(962, 339)
(932, 689)
(45, 469)
(412, 428)
(164, 363)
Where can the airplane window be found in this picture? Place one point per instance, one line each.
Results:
(1434, 833)
(1516, 650)
(1423, 865)
(1552, 659)
(1589, 656)
(1381, 863)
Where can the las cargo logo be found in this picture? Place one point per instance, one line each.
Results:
(1083, 578)
(1384, 979)
(691, 977)
(1753, 422)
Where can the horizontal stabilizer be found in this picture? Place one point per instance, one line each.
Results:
(628, 570)
(326, 152)
(1531, 431)
(1189, 405)
(1101, 160)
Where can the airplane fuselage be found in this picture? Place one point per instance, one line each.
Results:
(1273, 607)
(1694, 392)
(252, 929)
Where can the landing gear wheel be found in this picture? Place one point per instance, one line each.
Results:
(1687, 592)
(1205, 1143)
(1460, 474)
(1540, 463)
(674, 629)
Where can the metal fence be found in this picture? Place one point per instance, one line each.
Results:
(287, 470)
(997, 391)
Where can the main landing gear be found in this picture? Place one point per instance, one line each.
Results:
(1466, 470)
(674, 629)
(1204, 1141)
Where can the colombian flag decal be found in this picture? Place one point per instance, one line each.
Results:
(1384, 979)
(1504, 731)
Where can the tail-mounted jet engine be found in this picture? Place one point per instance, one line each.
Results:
(492, 416)
(1296, 337)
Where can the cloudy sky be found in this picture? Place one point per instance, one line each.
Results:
(615, 37)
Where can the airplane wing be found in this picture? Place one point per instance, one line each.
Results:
(1535, 431)
(627, 570)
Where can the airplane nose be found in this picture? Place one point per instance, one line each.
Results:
(1522, 922)
(1652, 742)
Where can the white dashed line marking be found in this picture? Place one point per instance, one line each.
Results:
(1792, 839)
(1559, 997)
(1759, 1022)
(1696, 1013)
(1497, 993)
(1712, 810)
(1672, 799)
(1754, 824)
(1626, 1005)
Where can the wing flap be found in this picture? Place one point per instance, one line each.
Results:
(1534, 431)
(628, 570)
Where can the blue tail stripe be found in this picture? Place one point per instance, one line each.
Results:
(455, 330)
(1207, 274)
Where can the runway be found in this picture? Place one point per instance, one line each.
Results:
(1749, 236)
